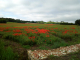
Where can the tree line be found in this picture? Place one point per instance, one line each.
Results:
(5, 20)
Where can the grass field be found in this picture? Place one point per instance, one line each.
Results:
(40, 36)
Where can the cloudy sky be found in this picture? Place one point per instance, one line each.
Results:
(44, 10)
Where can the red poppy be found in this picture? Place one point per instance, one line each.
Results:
(16, 30)
(17, 34)
(73, 28)
(34, 37)
(47, 35)
(1, 30)
(56, 28)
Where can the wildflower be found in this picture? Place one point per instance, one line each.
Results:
(73, 28)
(17, 34)
(30, 37)
(33, 40)
(65, 28)
(76, 32)
(16, 30)
(1, 30)
(56, 28)
(34, 37)
(47, 35)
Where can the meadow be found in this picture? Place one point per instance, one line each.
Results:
(44, 36)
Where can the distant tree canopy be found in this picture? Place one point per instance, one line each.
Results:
(52, 22)
(66, 23)
(77, 22)
(2, 20)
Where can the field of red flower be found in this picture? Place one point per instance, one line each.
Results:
(50, 35)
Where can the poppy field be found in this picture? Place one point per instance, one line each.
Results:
(43, 35)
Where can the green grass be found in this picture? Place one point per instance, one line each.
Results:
(26, 46)
(6, 54)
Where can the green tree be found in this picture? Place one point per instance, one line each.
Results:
(2, 20)
(77, 22)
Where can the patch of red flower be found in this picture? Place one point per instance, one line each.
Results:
(65, 32)
(56, 28)
(47, 35)
(35, 32)
(16, 30)
(7, 27)
(17, 34)
(73, 28)
(43, 30)
(30, 37)
(76, 32)
(1, 30)
(65, 28)
(33, 37)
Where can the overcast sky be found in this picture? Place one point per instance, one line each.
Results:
(44, 10)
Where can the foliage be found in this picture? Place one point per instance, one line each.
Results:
(77, 22)
(2, 20)
(50, 22)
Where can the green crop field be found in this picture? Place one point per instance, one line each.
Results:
(44, 35)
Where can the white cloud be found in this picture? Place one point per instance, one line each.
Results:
(55, 10)
(1, 15)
